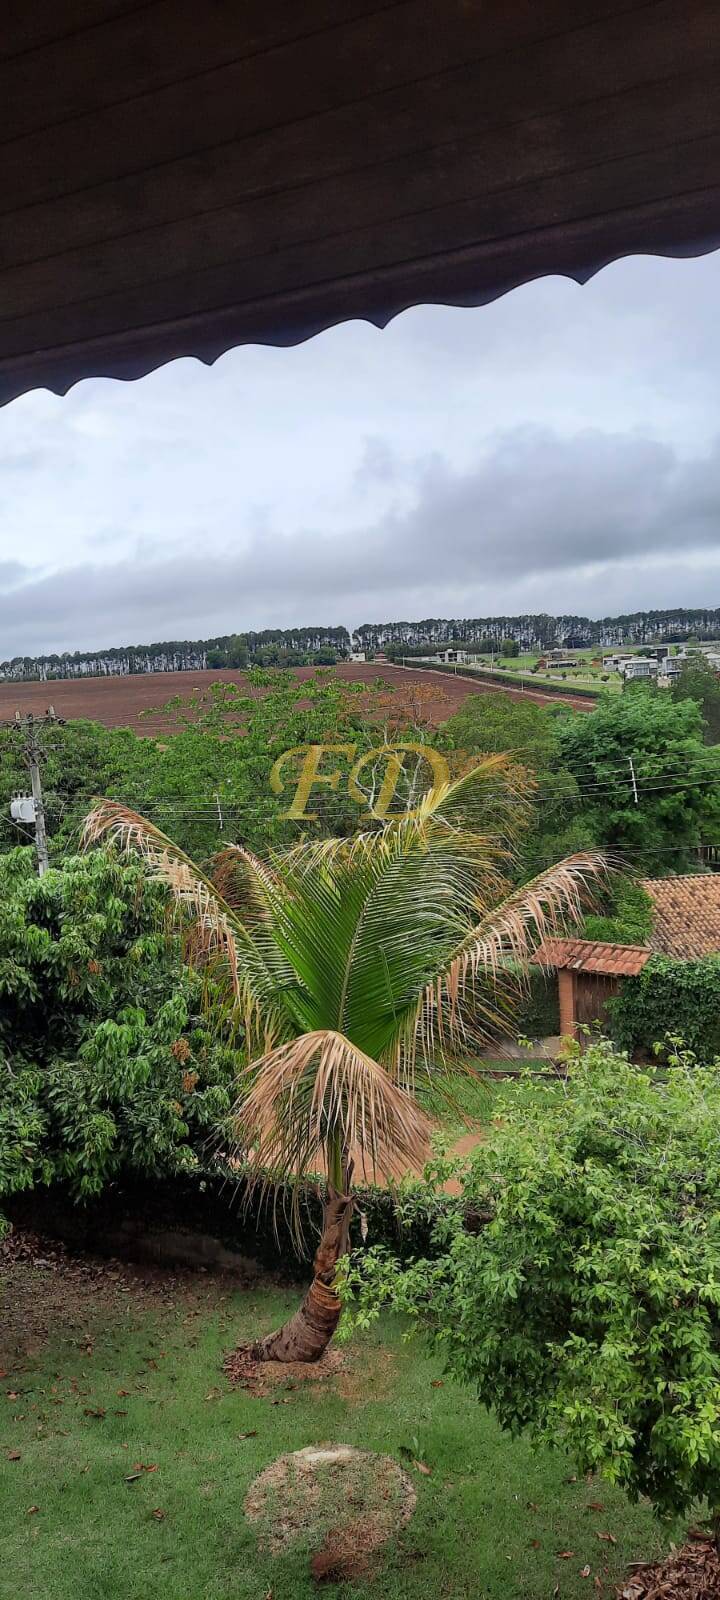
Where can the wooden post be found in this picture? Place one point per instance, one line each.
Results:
(566, 997)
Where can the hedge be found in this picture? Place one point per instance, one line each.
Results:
(215, 1201)
(511, 680)
(677, 998)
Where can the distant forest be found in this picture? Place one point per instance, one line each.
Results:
(542, 631)
(323, 646)
(273, 647)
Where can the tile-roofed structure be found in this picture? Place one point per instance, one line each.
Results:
(686, 915)
(587, 955)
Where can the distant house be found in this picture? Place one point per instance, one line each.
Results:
(640, 667)
(558, 658)
(686, 925)
(616, 660)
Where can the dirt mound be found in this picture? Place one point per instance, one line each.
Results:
(692, 1573)
(345, 1504)
(243, 1369)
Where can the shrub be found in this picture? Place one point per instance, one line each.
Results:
(583, 1304)
(627, 920)
(676, 998)
(105, 1060)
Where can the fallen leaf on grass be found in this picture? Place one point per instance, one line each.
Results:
(94, 1411)
(123, 1393)
(141, 1466)
(252, 1434)
(14, 1455)
(214, 1394)
(31, 1511)
(594, 1505)
(565, 1555)
(158, 1514)
(584, 1572)
(608, 1538)
(132, 1477)
(437, 1383)
(421, 1466)
(534, 1544)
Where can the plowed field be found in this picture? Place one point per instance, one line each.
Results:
(119, 702)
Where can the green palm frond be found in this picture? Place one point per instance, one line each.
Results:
(358, 963)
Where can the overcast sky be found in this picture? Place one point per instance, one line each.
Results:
(558, 450)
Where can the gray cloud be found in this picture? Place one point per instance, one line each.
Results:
(13, 573)
(552, 451)
(537, 516)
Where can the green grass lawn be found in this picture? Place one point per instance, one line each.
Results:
(131, 1380)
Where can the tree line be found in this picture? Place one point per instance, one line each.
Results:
(323, 646)
(540, 631)
(269, 647)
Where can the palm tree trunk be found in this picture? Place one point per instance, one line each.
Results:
(306, 1336)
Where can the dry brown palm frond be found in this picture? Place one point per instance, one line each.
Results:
(247, 884)
(502, 943)
(218, 933)
(320, 1090)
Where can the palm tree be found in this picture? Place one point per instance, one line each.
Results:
(361, 970)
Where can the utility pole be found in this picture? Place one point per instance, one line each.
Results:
(33, 752)
(634, 783)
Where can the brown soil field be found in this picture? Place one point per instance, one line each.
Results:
(119, 702)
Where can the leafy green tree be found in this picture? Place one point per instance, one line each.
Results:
(360, 968)
(509, 647)
(81, 758)
(237, 651)
(700, 682)
(575, 1285)
(497, 722)
(105, 1061)
(559, 823)
(208, 777)
(658, 742)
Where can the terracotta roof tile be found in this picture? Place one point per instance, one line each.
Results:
(585, 955)
(687, 915)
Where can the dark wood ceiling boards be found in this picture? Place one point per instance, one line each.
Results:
(178, 177)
